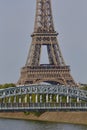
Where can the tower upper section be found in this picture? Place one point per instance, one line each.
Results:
(44, 18)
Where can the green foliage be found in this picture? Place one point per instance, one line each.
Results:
(7, 85)
(26, 113)
(64, 99)
(84, 88)
(73, 100)
(33, 98)
(38, 113)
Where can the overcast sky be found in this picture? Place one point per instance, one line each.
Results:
(16, 26)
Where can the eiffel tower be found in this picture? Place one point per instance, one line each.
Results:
(56, 72)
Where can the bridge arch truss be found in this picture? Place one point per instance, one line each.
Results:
(58, 90)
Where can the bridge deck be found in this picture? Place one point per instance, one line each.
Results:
(16, 107)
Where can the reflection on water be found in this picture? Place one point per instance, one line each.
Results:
(6, 124)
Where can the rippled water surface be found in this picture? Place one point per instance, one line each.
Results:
(6, 124)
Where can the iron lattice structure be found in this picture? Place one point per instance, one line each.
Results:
(44, 34)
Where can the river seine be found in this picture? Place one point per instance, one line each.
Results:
(6, 124)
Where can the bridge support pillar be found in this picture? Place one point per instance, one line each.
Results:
(67, 99)
(3, 100)
(19, 99)
(25, 100)
(46, 98)
(78, 100)
(50, 98)
(57, 98)
(30, 98)
(15, 99)
(40, 98)
(36, 98)
(9, 99)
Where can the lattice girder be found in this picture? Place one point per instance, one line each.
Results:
(72, 92)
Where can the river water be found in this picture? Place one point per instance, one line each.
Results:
(6, 124)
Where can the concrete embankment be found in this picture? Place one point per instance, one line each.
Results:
(61, 117)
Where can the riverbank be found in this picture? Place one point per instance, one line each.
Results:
(60, 117)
